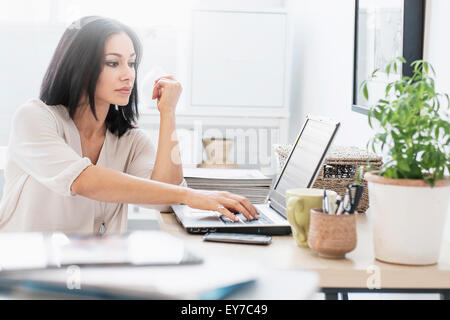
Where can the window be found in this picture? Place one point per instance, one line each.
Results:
(384, 30)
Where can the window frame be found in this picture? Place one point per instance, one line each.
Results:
(413, 43)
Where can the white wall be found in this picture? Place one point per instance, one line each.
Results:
(29, 37)
(322, 79)
(437, 52)
(24, 57)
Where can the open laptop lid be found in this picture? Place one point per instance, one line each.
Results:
(304, 161)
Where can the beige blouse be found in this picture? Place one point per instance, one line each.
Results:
(44, 157)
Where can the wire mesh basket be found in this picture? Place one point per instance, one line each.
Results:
(339, 169)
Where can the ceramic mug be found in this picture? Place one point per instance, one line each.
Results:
(299, 203)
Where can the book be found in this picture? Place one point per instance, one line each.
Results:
(216, 278)
(34, 250)
(250, 183)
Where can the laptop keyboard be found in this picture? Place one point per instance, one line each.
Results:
(262, 219)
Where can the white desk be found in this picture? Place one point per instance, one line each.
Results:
(167, 282)
(194, 281)
(142, 219)
(336, 276)
(291, 267)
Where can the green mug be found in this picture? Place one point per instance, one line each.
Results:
(299, 203)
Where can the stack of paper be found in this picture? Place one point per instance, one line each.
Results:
(249, 183)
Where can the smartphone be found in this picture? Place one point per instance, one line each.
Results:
(237, 238)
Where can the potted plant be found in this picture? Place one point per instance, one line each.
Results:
(409, 195)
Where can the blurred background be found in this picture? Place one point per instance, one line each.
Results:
(251, 69)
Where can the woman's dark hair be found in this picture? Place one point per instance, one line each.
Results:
(76, 66)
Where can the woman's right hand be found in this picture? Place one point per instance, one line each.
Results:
(222, 201)
(167, 90)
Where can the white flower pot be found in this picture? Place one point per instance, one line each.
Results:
(407, 218)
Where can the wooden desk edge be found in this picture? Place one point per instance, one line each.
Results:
(344, 273)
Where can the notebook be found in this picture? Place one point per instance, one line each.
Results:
(34, 250)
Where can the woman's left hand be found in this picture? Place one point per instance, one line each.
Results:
(167, 90)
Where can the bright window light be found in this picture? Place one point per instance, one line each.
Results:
(26, 11)
(136, 13)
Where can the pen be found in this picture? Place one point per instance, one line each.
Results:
(325, 202)
(354, 192)
(338, 203)
(358, 195)
(346, 202)
(341, 208)
(331, 206)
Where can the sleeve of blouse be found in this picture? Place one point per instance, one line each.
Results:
(143, 156)
(142, 163)
(37, 149)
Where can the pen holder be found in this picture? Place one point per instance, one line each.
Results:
(330, 235)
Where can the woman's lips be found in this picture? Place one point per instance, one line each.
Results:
(124, 90)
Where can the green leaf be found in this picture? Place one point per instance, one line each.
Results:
(436, 132)
(369, 117)
(388, 69)
(414, 126)
(447, 142)
(432, 69)
(366, 92)
(403, 165)
(375, 72)
(425, 67)
(448, 99)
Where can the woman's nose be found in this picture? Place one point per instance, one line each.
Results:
(128, 73)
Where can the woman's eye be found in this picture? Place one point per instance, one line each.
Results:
(112, 64)
(132, 64)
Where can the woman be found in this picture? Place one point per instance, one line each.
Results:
(75, 157)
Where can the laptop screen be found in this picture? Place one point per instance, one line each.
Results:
(304, 161)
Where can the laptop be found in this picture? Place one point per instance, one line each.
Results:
(299, 171)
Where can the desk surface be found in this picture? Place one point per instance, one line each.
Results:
(352, 272)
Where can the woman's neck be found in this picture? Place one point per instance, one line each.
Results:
(86, 123)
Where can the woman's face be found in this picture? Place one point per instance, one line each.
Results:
(116, 80)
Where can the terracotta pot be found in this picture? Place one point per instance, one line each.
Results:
(330, 235)
(407, 218)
